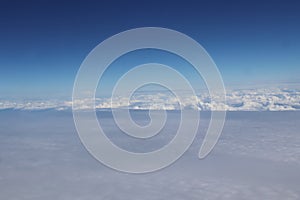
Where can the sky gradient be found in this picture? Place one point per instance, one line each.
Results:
(42, 43)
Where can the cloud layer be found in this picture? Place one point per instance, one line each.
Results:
(274, 99)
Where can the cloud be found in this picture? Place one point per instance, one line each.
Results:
(272, 99)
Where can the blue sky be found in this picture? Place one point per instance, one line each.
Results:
(42, 43)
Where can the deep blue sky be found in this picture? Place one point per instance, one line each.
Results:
(42, 43)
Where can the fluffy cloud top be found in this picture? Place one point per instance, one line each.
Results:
(237, 100)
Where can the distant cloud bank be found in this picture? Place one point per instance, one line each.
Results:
(237, 100)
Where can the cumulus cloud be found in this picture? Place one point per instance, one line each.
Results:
(274, 99)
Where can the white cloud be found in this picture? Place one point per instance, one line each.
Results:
(274, 99)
